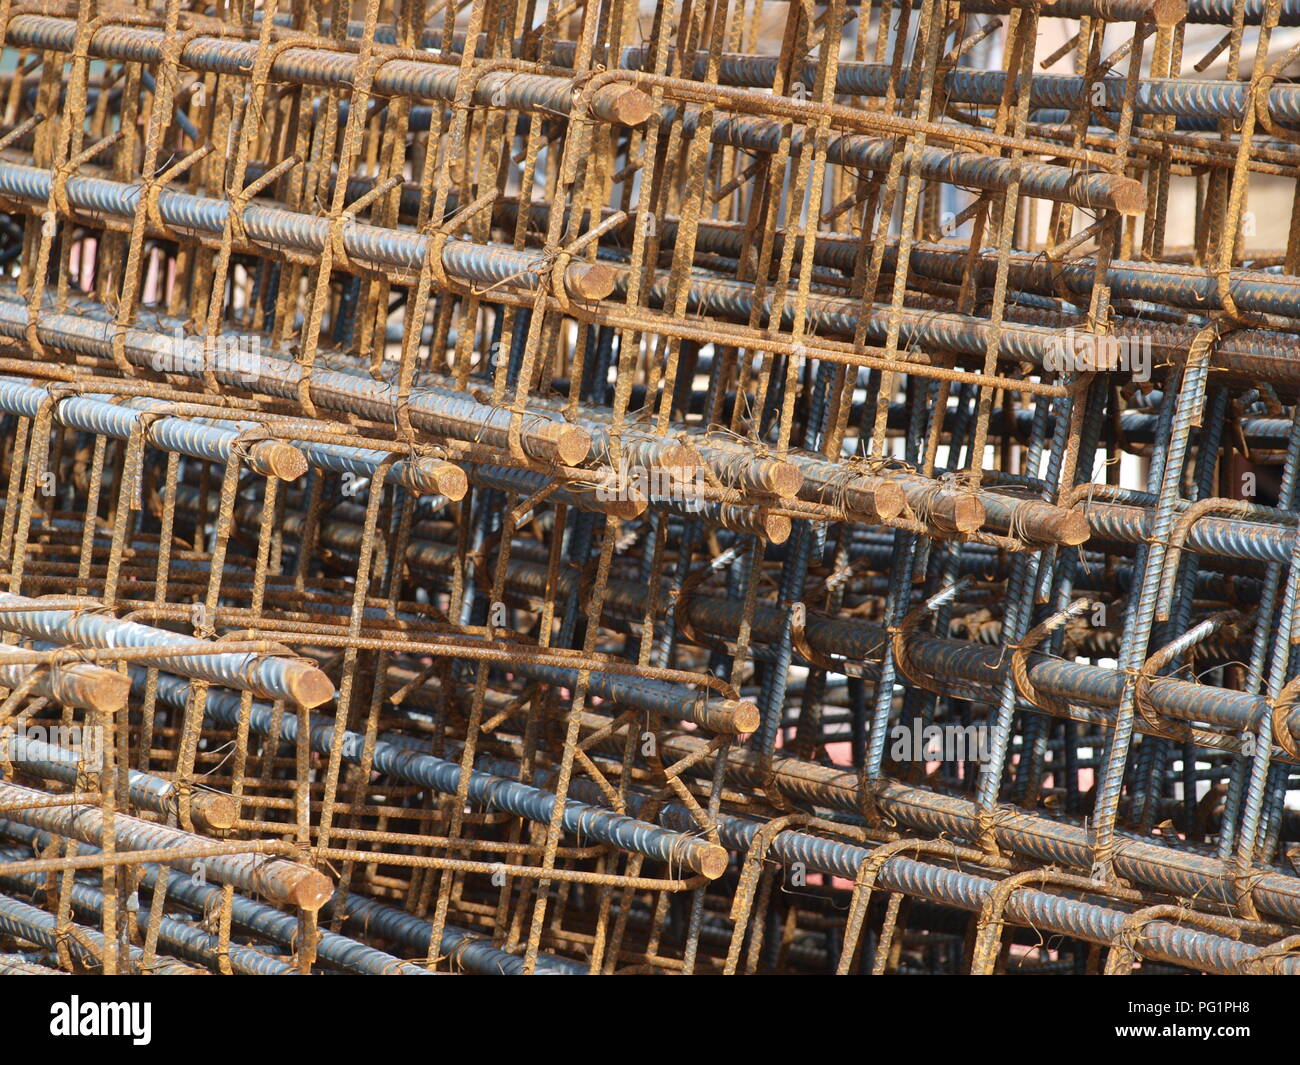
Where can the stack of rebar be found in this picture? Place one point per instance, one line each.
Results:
(598, 487)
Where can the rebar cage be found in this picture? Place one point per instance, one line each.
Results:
(598, 487)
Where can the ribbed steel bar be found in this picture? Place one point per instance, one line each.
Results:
(34, 925)
(98, 415)
(277, 676)
(259, 918)
(723, 488)
(279, 230)
(318, 64)
(278, 879)
(145, 791)
(458, 416)
(584, 821)
(179, 938)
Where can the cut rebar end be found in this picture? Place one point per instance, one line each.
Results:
(436, 477)
(590, 281)
(1074, 529)
(108, 692)
(679, 461)
(776, 527)
(783, 479)
(712, 861)
(624, 104)
(1168, 13)
(278, 459)
(744, 716)
(216, 812)
(311, 890)
(308, 685)
(888, 499)
(572, 443)
(1128, 194)
(625, 509)
(91, 687)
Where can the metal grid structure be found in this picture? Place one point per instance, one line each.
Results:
(723, 486)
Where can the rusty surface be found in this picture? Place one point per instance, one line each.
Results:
(692, 488)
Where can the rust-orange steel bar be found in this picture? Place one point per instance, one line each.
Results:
(711, 487)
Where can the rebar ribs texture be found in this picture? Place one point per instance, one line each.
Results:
(720, 486)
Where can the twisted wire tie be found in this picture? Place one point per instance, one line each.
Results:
(1268, 960)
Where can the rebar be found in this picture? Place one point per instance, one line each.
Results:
(522, 489)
